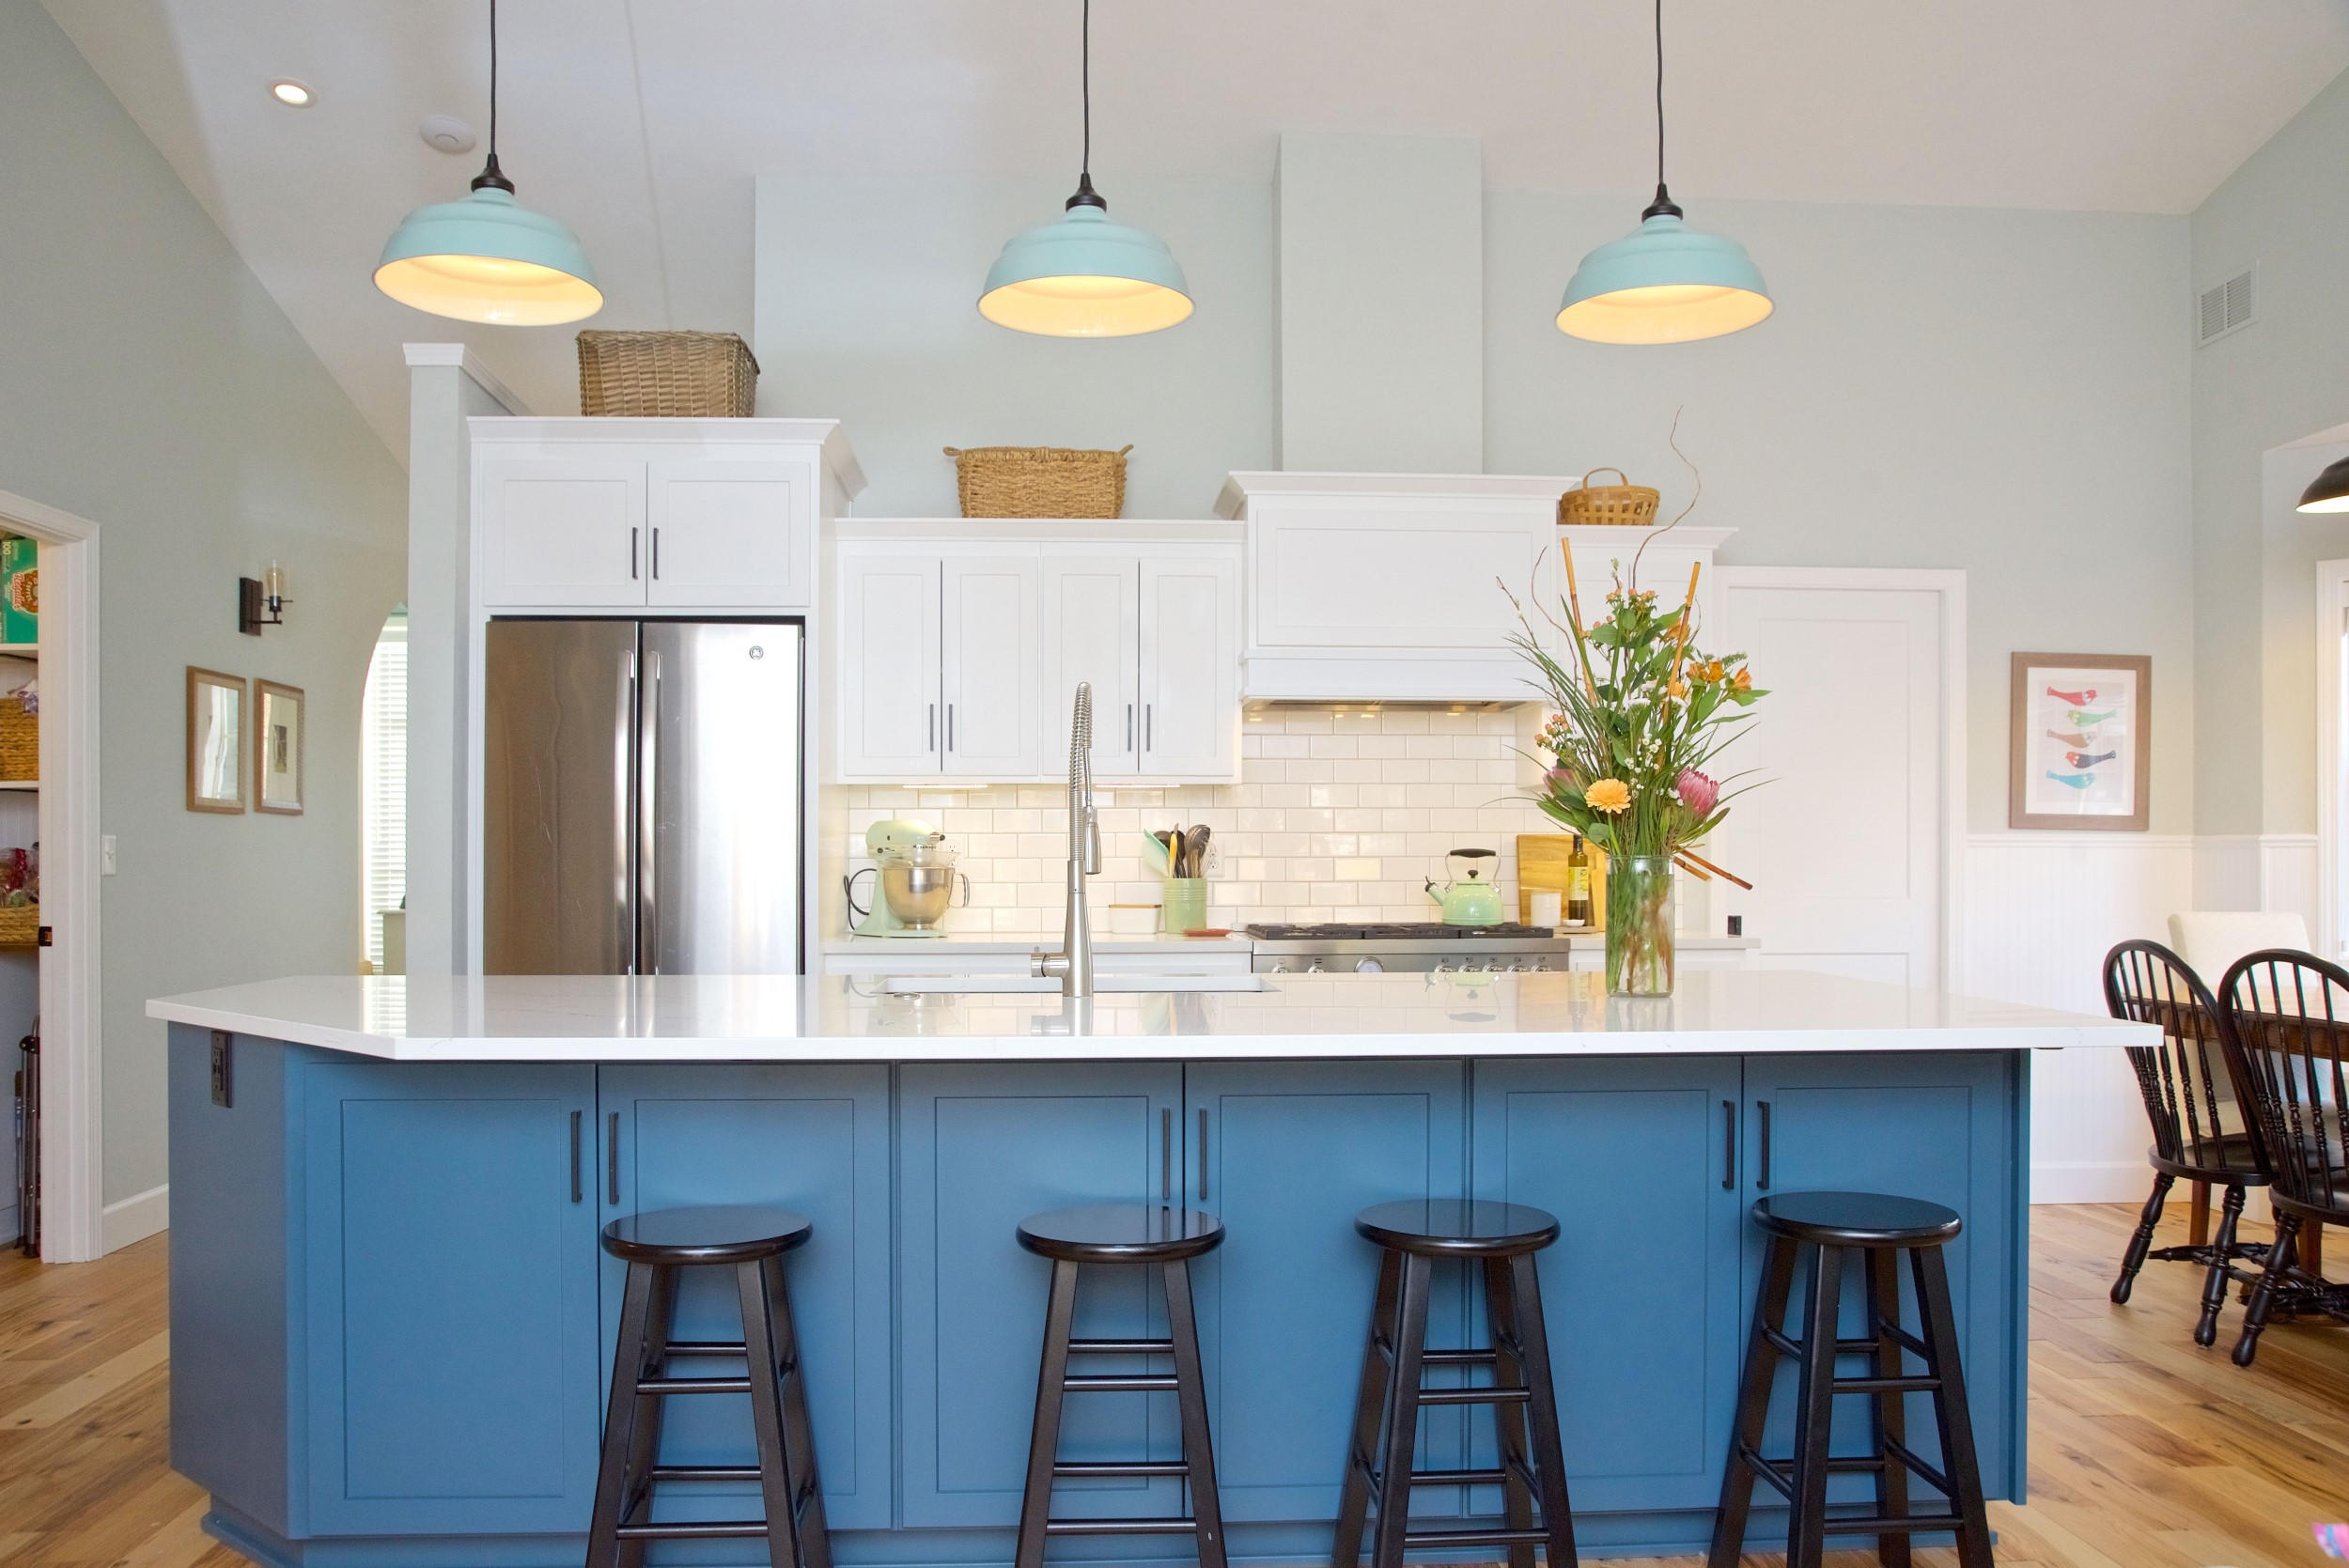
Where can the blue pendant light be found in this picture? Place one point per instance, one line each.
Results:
(1664, 282)
(1086, 274)
(488, 258)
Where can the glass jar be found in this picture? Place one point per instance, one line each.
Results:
(1639, 925)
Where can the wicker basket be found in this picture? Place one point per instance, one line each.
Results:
(1625, 505)
(1039, 481)
(20, 742)
(666, 375)
(20, 925)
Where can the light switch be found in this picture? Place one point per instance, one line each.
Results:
(106, 855)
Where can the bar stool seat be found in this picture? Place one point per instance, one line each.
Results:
(1855, 1220)
(1457, 1228)
(658, 1247)
(1121, 1234)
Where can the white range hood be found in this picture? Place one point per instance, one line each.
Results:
(1390, 587)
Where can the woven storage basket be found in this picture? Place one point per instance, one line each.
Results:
(1625, 505)
(20, 925)
(666, 375)
(1039, 481)
(20, 742)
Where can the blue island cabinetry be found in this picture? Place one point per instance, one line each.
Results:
(392, 1318)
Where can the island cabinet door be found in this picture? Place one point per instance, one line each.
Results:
(1639, 1292)
(450, 1265)
(980, 1148)
(1286, 1154)
(1944, 1127)
(813, 1140)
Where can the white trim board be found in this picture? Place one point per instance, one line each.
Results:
(134, 1218)
(73, 1164)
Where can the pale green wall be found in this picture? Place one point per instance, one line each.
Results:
(148, 383)
(2284, 378)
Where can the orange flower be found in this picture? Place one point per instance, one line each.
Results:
(1611, 795)
(1712, 671)
(1677, 686)
(1743, 682)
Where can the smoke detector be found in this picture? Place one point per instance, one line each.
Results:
(446, 133)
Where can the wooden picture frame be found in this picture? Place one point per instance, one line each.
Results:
(217, 717)
(2080, 742)
(280, 723)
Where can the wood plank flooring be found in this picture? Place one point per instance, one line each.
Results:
(2146, 1451)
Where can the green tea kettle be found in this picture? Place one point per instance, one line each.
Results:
(1469, 899)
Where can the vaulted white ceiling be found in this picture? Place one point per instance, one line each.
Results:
(642, 122)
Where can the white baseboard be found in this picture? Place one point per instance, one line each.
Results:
(134, 1219)
(2086, 1181)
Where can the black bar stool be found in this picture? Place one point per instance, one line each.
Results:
(1164, 1239)
(658, 1246)
(1502, 1237)
(1828, 1225)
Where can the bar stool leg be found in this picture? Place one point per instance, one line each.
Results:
(1401, 1425)
(1814, 1409)
(2215, 1285)
(1949, 1408)
(799, 1432)
(1369, 1405)
(632, 1419)
(1525, 1308)
(1754, 1406)
(2264, 1294)
(2141, 1239)
(1509, 1372)
(1887, 1413)
(1051, 1379)
(774, 1457)
(1190, 1396)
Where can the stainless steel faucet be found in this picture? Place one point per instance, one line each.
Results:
(1073, 963)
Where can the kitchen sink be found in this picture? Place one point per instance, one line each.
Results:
(984, 985)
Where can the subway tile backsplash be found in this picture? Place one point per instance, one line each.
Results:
(1338, 816)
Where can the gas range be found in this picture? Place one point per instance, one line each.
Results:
(1406, 946)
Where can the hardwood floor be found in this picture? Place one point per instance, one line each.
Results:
(2146, 1451)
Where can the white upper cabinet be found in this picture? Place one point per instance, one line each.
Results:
(730, 533)
(991, 638)
(612, 514)
(1093, 632)
(1190, 674)
(891, 717)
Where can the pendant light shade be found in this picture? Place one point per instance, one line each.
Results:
(1664, 282)
(1085, 275)
(488, 258)
(2328, 492)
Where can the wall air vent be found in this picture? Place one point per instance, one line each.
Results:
(2225, 308)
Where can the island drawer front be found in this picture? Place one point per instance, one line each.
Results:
(813, 1140)
(1641, 1291)
(1292, 1152)
(452, 1338)
(981, 1148)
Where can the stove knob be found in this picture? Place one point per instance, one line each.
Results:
(1541, 965)
(1369, 966)
(1279, 966)
(1516, 966)
(1315, 969)
(1443, 965)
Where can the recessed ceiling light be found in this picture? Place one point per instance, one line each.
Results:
(291, 93)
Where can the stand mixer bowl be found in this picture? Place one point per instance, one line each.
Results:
(918, 881)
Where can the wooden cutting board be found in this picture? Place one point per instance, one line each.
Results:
(1542, 862)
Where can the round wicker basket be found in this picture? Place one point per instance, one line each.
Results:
(1625, 505)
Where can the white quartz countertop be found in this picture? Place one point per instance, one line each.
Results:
(927, 948)
(786, 1018)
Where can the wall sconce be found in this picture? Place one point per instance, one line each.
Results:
(262, 601)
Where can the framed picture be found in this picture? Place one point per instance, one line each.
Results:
(276, 748)
(2083, 741)
(216, 721)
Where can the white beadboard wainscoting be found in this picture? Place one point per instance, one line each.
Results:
(2041, 911)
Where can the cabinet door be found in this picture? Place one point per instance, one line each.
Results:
(890, 718)
(1190, 666)
(1092, 631)
(981, 1148)
(731, 533)
(561, 532)
(1944, 1127)
(1631, 1154)
(813, 1140)
(1287, 1153)
(453, 1351)
(992, 626)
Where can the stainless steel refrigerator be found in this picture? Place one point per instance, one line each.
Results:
(643, 810)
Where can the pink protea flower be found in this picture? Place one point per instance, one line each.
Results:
(1561, 778)
(1697, 792)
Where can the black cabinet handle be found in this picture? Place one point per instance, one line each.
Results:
(1166, 1155)
(1202, 1153)
(1729, 1150)
(612, 1159)
(1762, 1178)
(577, 1192)
(632, 554)
(656, 553)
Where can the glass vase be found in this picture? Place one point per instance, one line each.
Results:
(1639, 926)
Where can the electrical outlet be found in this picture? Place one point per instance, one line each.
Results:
(1214, 866)
(106, 866)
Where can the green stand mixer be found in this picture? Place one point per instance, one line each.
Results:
(914, 870)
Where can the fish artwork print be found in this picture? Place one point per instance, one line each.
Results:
(2073, 780)
(2082, 759)
(2073, 699)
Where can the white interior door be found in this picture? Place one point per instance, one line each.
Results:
(1847, 839)
(993, 626)
(891, 724)
(1092, 633)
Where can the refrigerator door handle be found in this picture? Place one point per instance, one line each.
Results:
(648, 824)
(623, 732)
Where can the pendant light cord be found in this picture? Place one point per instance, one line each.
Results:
(1086, 195)
(1663, 206)
(491, 174)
